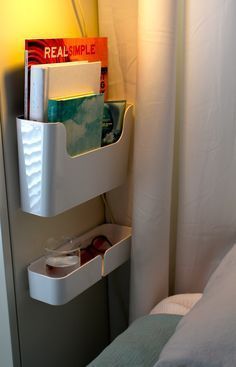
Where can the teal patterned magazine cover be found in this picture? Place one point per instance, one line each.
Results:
(82, 116)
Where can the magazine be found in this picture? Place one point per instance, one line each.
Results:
(82, 117)
(60, 79)
(47, 51)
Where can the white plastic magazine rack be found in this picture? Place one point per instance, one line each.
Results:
(60, 290)
(51, 181)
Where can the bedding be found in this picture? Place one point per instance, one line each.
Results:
(206, 336)
(141, 344)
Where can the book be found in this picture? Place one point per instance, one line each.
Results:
(112, 123)
(82, 117)
(53, 80)
(47, 51)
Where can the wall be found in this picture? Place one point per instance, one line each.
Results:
(9, 346)
(48, 336)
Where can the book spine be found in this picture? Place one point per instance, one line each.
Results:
(54, 111)
(26, 88)
(45, 94)
(38, 81)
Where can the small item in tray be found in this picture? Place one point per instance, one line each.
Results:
(98, 246)
(61, 261)
(85, 255)
(101, 243)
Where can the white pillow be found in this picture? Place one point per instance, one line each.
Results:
(179, 304)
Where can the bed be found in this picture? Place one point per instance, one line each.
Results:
(191, 330)
(142, 342)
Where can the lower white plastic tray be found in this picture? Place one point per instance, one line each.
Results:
(60, 290)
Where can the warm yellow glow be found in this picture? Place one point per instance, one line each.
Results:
(21, 19)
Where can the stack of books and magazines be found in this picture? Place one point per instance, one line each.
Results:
(67, 115)
(66, 81)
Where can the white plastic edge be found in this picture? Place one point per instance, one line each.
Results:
(58, 291)
(51, 181)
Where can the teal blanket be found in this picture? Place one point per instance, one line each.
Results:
(141, 344)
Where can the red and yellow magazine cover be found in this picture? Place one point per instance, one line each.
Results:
(47, 51)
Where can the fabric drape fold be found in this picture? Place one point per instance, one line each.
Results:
(144, 33)
(207, 195)
(153, 154)
(154, 132)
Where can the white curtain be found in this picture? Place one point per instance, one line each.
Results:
(207, 188)
(184, 134)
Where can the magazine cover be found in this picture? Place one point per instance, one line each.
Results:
(47, 51)
(82, 117)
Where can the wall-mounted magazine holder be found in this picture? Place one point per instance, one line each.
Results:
(51, 181)
(60, 290)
